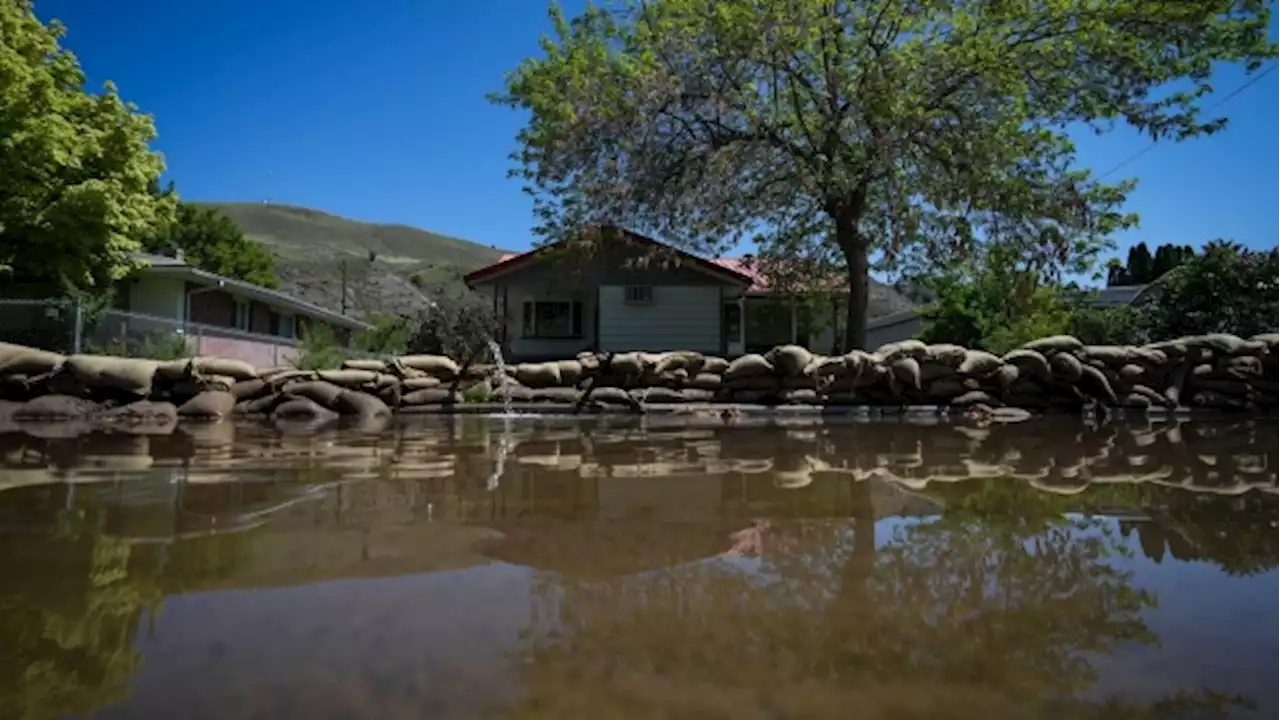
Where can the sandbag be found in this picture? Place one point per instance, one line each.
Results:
(320, 391)
(714, 365)
(1054, 344)
(1093, 382)
(1109, 354)
(429, 396)
(538, 375)
(789, 360)
(802, 396)
(1030, 363)
(560, 395)
(914, 349)
(210, 405)
(704, 381)
(945, 354)
(978, 362)
(687, 360)
(750, 365)
(436, 365)
(104, 372)
(260, 405)
(658, 396)
(612, 396)
(946, 388)
(975, 397)
(907, 369)
(426, 382)
(55, 407)
(23, 360)
(570, 372)
(302, 409)
(697, 395)
(377, 366)
(350, 379)
(357, 404)
(626, 364)
(238, 369)
(1066, 368)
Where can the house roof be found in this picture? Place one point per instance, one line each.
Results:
(175, 267)
(513, 262)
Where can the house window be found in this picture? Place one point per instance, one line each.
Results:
(638, 294)
(240, 318)
(283, 325)
(733, 321)
(552, 320)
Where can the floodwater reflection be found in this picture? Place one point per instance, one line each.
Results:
(623, 569)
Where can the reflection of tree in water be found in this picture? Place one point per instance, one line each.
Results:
(71, 608)
(982, 611)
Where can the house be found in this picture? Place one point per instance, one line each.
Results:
(634, 293)
(218, 315)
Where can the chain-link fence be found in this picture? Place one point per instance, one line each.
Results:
(65, 327)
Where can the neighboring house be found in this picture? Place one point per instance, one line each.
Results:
(220, 316)
(638, 294)
(907, 324)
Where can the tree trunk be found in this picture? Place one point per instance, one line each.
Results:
(855, 254)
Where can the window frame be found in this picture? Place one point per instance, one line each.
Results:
(241, 315)
(530, 327)
(638, 294)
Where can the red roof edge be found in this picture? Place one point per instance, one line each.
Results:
(513, 262)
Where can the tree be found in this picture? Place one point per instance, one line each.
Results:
(212, 241)
(1143, 268)
(1226, 289)
(898, 131)
(75, 167)
(458, 324)
(1140, 264)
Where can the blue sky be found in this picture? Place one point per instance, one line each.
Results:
(376, 111)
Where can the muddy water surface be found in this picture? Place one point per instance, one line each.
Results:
(679, 568)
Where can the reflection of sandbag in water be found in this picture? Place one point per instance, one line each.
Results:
(208, 405)
(359, 404)
(302, 409)
(55, 407)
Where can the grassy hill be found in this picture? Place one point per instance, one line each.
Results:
(312, 246)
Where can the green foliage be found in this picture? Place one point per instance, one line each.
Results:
(840, 132)
(1120, 325)
(1225, 289)
(996, 306)
(390, 336)
(75, 167)
(210, 240)
(477, 394)
(318, 349)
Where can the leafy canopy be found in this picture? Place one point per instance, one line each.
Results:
(1227, 288)
(212, 241)
(75, 167)
(839, 131)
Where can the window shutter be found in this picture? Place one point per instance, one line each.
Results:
(577, 319)
(527, 328)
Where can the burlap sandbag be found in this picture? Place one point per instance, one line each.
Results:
(426, 382)
(353, 403)
(945, 354)
(320, 391)
(975, 397)
(104, 372)
(705, 381)
(626, 364)
(436, 365)
(238, 369)
(570, 372)
(349, 379)
(263, 405)
(914, 349)
(302, 409)
(142, 412)
(789, 360)
(429, 396)
(538, 375)
(686, 360)
(714, 365)
(977, 363)
(23, 360)
(907, 370)
(658, 396)
(558, 395)
(612, 396)
(250, 389)
(1116, 355)
(370, 365)
(697, 395)
(1030, 364)
(1095, 384)
(1066, 368)
(1054, 344)
(801, 396)
(210, 405)
(55, 407)
(748, 366)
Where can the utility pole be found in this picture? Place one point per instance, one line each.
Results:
(344, 287)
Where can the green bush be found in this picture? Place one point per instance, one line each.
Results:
(319, 349)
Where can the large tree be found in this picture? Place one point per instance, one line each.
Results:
(211, 240)
(899, 131)
(75, 167)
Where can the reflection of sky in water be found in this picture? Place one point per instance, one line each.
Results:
(441, 643)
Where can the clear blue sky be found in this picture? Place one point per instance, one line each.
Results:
(376, 111)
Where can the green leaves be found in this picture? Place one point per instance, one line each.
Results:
(212, 241)
(920, 133)
(74, 167)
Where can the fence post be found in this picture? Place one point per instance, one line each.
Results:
(77, 330)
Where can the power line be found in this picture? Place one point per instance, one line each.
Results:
(1217, 104)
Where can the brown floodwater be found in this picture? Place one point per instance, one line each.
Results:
(633, 568)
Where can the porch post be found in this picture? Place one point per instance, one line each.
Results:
(742, 321)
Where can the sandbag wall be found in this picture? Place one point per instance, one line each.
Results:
(1211, 371)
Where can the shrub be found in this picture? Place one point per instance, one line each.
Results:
(319, 349)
